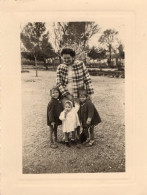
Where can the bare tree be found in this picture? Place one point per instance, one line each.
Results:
(35, 39)
(75, 35)
(108, 37)
(31, 37)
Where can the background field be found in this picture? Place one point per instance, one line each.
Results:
(107, 155)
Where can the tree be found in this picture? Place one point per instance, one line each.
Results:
(74, 35)
(46, 50)
(108, 38)
(27, 55)
(59, 31)
(121, 51)
(97, 53)
(120, 56)
(31, 36)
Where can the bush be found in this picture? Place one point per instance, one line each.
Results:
(97, 65)
(109, 73)
(30, 62)
(27, 62)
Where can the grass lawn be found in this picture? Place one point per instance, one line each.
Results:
(108, 153)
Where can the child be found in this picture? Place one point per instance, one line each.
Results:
(89, 116)
(53, 111)
(70, 121)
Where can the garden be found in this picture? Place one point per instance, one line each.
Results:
(108, 152)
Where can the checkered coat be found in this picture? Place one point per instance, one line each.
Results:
(81, 78)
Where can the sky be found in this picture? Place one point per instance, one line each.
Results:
(117, 25)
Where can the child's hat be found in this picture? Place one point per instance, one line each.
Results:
(68, 101)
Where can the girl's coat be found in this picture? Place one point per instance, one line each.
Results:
(88, 110)
(54, 109)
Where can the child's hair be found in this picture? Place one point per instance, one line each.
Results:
(82, 92)
(68, 51)
(69, 103)
(54, 88)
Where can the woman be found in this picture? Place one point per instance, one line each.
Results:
(72, 75)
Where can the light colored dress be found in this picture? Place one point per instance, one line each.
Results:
(69, 86)
(71, 121)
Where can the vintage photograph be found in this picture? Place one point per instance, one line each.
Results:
(73, 96)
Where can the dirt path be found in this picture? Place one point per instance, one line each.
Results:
(107, 155)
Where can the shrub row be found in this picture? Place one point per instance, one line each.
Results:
(117, 74)
(97, 65)
(30, 62)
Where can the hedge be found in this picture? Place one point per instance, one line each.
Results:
(109, 73)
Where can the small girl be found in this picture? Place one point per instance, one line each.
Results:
(54, 109)
(89, 116)
(70, 121)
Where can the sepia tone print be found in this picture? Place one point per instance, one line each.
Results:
(100, 49)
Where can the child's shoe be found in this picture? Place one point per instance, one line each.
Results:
(53, 146)
(73, 142)
(78, 144)
(62, 141)
(67, 144)
(87, 140)
(56, 140)
(91, 143)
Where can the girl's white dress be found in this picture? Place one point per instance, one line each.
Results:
(71, 121)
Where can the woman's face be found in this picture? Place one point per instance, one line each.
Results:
(67, 59)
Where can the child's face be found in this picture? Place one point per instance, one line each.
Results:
(82, 97)
(67, 59)
(67, 107)
(55, 94)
